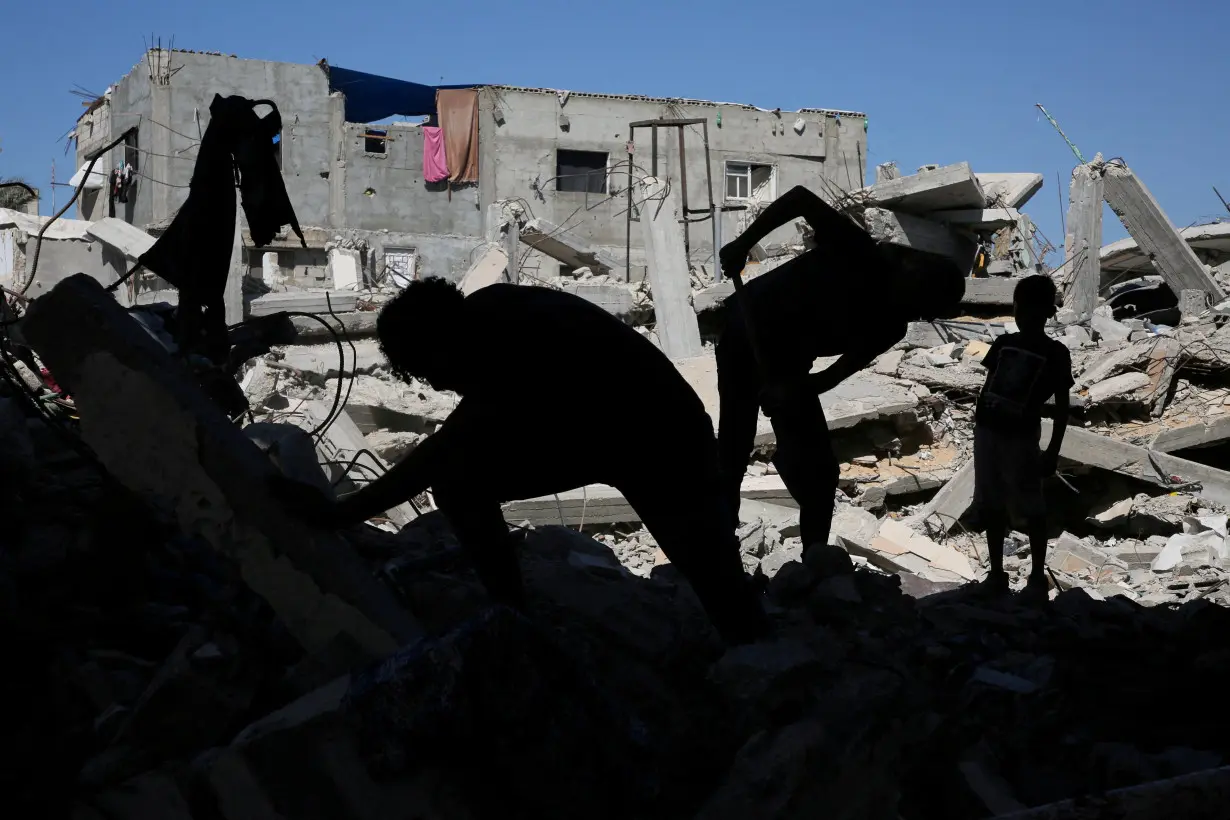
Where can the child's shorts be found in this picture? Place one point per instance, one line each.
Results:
(1008, 473)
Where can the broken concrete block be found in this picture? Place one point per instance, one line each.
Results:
(147, 420)
(1009, 190)
(1153, 231)
(669, 278)
(898, 546)
(712, 296)
(304, 301)
(1206, 548)
(886, 364)
(989, 290)
(546, 237)
(1075, 556)
(1105, 327)
(1118, 387)
(490, 267)
(1196, 434)
(777, 558)
(853, 528)
(1115, 515)
(975, 351)
(943, 189)
(920, 234)
(292, 450)
(319, 363)
(345, 268)
(614, 299)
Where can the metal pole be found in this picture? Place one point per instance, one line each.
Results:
(653, 149)
(683, 195)
(628, 217)
(717, 242)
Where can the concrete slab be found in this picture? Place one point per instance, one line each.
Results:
(304, 301)
(318, 363)
(946, 188)
(1126, 255)
(154, 429)
(1195, 434)
(547, 237)
(919, 234)
(129, 240)
(352, 324)
(488, 268)
(614, 299)
(1009, 190)
(1153, 231)
(345, 268)
(979, 219)
(1121, 388)
(712, 296)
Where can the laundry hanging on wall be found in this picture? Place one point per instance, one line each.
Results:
(435, 159)
(458, 113)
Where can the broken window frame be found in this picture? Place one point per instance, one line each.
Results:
(745, 170)
(132, 150)
(392, 274)
(590, 181)
(376, 141)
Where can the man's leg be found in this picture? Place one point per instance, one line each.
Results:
(739, 406)
(991, 501)
(685, 516)
(805, 460)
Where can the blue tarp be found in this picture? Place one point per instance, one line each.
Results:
(371, 98)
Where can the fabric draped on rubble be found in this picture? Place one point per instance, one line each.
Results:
(195, 251)
(435, 161)
(458, 113)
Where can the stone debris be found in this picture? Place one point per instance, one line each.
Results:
(181, 649)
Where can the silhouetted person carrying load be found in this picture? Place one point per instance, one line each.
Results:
(847, 297)
(1024, 369)
(556, 393)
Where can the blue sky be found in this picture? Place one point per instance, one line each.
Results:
(942, 81)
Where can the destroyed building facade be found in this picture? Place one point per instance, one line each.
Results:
(562, 156)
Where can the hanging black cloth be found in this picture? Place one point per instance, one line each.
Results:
(194, 254)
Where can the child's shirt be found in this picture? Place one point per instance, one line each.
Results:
(1024, 369)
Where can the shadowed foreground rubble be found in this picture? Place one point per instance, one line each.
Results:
(145, 681)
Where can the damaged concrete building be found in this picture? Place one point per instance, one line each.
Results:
(559, 159)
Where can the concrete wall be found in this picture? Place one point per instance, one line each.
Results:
(58, 260)
(519, 155)
(93, 132)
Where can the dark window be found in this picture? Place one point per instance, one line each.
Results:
(132, 155)
(583, 171)
(374, 141)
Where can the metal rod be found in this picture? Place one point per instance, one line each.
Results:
(715, 213)
(1075, 150)
(1222, 198)
(653, 149)
(628, 217)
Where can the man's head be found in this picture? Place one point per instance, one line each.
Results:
(1033, 302)
(927, 286)
(420, 333)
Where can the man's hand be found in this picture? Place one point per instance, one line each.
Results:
(780, 395)
(304, 501)
(733, 257)
(1050, 463)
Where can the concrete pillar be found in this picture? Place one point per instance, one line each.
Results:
(271, 274)
(233, 296)
(1192, 302)
(1083, 241)
(337, 160)
(157, 163)
(671, 284)
(512, 242)
(1151, 228)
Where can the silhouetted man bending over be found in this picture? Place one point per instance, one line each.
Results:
(846, 297)
(556, 394)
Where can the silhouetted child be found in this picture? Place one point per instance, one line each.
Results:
(846, 297)
(556, 393)
(1024, 370)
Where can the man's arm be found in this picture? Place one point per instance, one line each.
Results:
(829, 224)
(406, 479)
